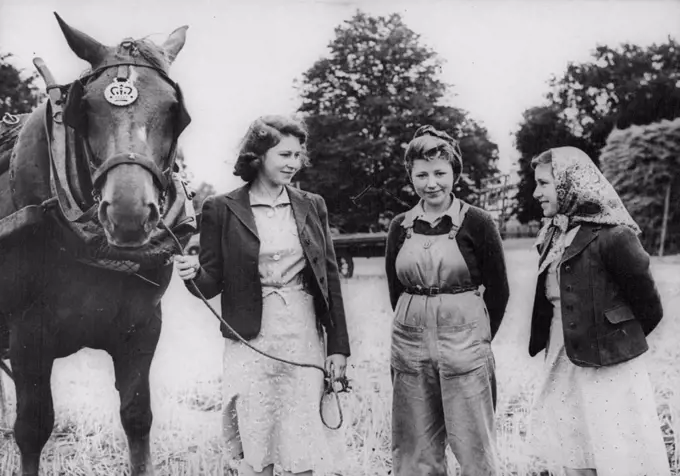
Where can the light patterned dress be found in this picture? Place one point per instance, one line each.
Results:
(602, 418)
(271, 409)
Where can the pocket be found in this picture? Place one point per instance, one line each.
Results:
(407, 348)
(619, 314)
(459, 349)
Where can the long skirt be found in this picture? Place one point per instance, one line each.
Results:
(601, 418)
(271, 409)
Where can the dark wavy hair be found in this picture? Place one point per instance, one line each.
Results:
(263, 134)
(429, 143)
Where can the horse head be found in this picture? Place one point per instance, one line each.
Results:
(128, 115)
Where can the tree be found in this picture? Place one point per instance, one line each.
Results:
(17, 95)
(620, 87)
(541, 129)
(624, 86)
(362, 103)
(643, 165)
(203, 190)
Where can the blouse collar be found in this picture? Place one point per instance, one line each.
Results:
(418, 212)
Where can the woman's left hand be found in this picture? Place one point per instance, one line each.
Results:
(336, 365)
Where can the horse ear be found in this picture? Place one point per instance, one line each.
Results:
(86, 47)
(173, 45)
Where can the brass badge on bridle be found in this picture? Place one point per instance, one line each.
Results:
(121, 92)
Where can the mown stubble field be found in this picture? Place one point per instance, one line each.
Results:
(88, 438)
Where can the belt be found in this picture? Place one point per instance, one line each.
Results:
(434, 290)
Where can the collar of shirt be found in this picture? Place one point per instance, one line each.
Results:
(418, 213)
(282, 199)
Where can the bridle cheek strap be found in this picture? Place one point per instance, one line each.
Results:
(161, 177)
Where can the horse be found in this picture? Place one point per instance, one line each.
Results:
(90, 208)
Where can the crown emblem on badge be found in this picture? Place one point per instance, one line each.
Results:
(121, 92)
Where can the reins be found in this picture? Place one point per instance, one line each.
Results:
(329, 380)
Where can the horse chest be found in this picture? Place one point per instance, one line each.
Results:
(83, 301)
(99, 295)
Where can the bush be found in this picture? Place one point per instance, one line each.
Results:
(641, 162)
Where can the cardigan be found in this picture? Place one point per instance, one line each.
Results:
(229, 260)
(481, 246)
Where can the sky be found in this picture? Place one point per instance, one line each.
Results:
(241, 58)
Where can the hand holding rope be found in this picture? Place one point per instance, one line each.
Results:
(329, 377)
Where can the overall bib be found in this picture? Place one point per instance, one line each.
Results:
(444, 385)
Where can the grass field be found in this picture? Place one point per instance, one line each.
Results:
(88, 438)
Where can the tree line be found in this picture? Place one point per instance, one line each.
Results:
(379, 82)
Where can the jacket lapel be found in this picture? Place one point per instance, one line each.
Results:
(300, 205)
(584, 236)
(239, 203)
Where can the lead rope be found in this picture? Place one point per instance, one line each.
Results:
(329, 381)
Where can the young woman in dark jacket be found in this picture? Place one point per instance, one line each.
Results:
(439, 254)
(267, 248)
(595, 303)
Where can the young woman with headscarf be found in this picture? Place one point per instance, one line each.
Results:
(595, 303)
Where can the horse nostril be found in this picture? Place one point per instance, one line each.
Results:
(102, 213)
(154, 214)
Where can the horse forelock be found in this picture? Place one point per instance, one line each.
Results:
(150, 52)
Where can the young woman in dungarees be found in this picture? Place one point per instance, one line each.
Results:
(438, 256)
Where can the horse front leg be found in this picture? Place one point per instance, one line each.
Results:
(132, 361)
(32, 363)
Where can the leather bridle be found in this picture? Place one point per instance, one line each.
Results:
(75, 118)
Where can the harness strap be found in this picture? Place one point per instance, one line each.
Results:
(68, 204)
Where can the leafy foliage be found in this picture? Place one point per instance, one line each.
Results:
(203, 190)
(541, 129)
(619, 88)
(362, 103)
(641, 162)
(624, 86)
(17, 95)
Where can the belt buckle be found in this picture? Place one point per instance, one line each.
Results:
(433, 290)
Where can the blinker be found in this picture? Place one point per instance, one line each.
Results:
(74, 116)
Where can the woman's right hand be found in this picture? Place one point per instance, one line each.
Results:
(187, 266)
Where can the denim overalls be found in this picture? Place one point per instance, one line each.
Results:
(442, 365)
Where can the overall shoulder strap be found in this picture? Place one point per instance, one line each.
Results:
(456, 224)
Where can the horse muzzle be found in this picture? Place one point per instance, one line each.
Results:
(129, 209)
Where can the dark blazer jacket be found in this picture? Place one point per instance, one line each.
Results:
(608, 296)
(229, 256)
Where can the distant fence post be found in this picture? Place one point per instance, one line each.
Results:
(664, 222)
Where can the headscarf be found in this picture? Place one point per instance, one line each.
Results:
(584, 195)
(428, 130)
